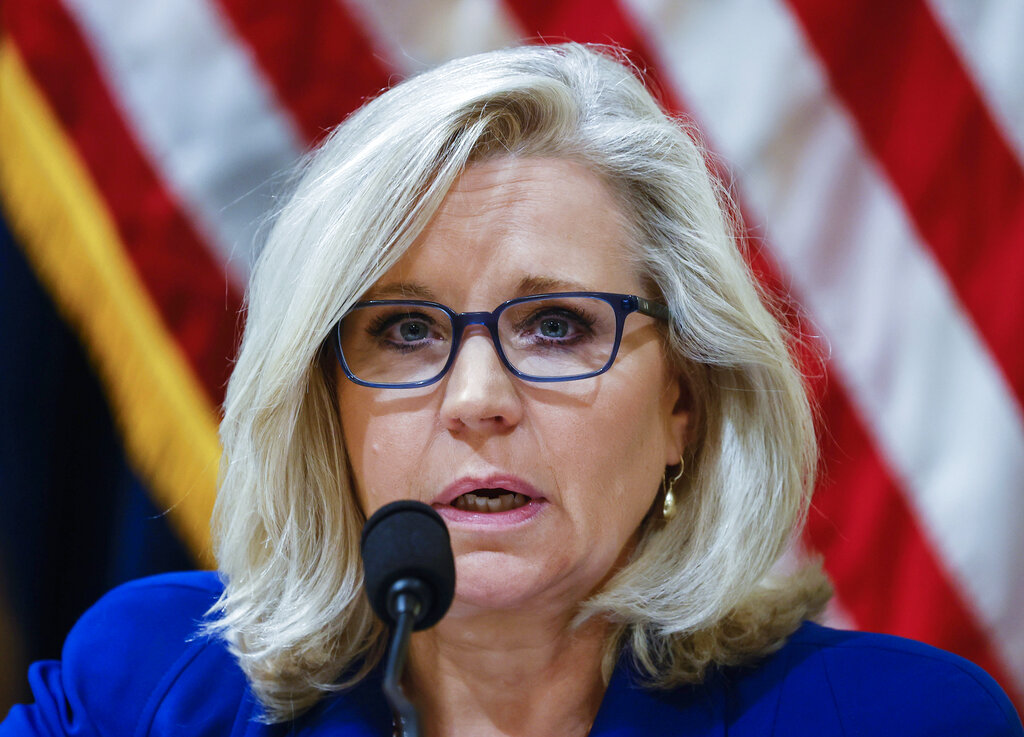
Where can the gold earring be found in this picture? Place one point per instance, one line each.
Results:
(668, 509)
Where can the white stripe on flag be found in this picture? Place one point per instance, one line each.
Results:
(418, 34)
(206, 118)
(987, 34)
(934, 400)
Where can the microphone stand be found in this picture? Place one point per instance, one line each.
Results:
(409, 575)
(406, 600)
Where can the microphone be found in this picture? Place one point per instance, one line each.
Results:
(409, 573)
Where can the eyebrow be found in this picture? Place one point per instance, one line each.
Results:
(402, 290)
(532, 284)
(528, 285)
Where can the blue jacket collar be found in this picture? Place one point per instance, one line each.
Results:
(630, 710)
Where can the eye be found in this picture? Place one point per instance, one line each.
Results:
(553, 327)
(412, 330)
(559, 325)
(403, 330)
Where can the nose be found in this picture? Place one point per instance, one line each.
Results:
(480, 395)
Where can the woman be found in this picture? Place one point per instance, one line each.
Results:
(509, 288)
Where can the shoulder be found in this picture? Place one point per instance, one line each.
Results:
(148, 623)
(139, 656)
(161, 609)
(864, 683)
(138, 662)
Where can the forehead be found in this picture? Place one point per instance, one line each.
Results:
(520, 225)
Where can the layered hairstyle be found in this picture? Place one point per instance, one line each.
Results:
(701, 589)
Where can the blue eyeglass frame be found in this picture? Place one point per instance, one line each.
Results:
(623, 304)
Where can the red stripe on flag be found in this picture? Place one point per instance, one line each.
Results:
(187, 284)
(886, 573)
(316, 56)
(925, 121)
(875, 550)
(591, 22)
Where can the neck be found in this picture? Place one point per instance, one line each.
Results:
(508, 674)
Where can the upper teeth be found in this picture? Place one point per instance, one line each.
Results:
(504, 501)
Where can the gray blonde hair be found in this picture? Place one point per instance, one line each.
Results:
(700, 588)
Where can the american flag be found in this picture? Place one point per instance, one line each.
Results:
(876, 149)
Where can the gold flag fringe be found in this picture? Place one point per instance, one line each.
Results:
(167, 423)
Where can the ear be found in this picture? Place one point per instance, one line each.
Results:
(680, 418)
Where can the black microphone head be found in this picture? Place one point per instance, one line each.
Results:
(408, 539)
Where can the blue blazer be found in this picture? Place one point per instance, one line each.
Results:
(134, 666)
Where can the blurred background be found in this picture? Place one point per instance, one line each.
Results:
(876, 149)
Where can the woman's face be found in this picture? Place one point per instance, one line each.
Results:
(574, 466)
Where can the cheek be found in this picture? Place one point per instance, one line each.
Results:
(374, 444)
(614, 459)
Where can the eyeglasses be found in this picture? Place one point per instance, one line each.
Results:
(400, 343)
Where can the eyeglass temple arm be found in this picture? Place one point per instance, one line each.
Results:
(654, 309)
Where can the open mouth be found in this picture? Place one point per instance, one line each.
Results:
(490, 500)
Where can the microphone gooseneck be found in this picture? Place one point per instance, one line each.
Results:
(409, 573)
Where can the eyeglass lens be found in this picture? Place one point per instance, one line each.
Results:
(545, 338)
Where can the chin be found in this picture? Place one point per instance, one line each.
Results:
(487, 581)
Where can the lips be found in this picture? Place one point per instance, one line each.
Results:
(490, 500)
(496, 499)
